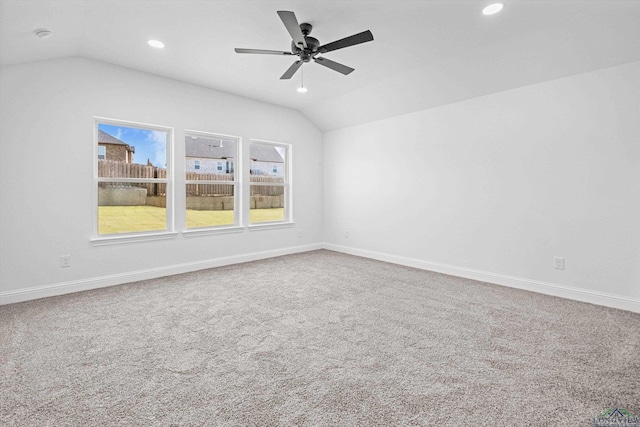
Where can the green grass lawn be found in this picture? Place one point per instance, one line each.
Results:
(128, 219)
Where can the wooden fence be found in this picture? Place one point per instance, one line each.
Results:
(267, 190)
(115, 169)
(209, 189)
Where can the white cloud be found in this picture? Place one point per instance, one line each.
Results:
(158, 140)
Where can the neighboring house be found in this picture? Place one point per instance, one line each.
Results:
(111, 148)
(266, 160)
(204, 155)
(211, 156)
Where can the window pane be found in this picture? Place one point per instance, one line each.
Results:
(131, 207)
(210, 155)
(138, 155)
(268, 166)
(210, 159)
(210, 205)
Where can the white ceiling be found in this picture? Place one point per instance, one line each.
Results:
(425, 53)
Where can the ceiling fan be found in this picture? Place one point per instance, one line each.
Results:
(308, 48)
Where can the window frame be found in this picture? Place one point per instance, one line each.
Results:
(238, 206)
(115, 238)
(287, 185)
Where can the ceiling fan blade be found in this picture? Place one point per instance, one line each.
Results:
(262, 51)
(291, 71)
(291, 22)
(362, 37)
(334, 65)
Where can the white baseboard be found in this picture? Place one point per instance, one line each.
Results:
(36, 292)
(593, 297)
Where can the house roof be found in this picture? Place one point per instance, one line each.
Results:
(105, 138)
(211, 148)
(265, 153)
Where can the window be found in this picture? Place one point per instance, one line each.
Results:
(211, 189)
(132, 196)
(270, 188)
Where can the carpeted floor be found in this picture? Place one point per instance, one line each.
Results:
(318, 338)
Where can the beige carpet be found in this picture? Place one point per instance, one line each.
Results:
(318, 338)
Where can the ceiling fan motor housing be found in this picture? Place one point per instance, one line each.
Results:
(306, 53)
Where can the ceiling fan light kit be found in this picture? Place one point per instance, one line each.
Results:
(155, 43)
(307, 48)
(492, 9)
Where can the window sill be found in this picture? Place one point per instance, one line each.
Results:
(212, 231)
(117, 240)
(270, 225)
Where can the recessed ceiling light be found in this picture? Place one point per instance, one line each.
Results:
(155, 43)
(43, 33)
(492, 9)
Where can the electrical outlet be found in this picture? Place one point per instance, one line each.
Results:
(299, 233)
(558, 263)
(65, 261)
(346, 234)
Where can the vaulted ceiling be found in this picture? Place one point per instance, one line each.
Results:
(425, 53)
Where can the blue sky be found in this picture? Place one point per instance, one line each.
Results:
(150, 144)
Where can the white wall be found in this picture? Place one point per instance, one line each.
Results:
(490, 188)
(46, 175)
(497, 186)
